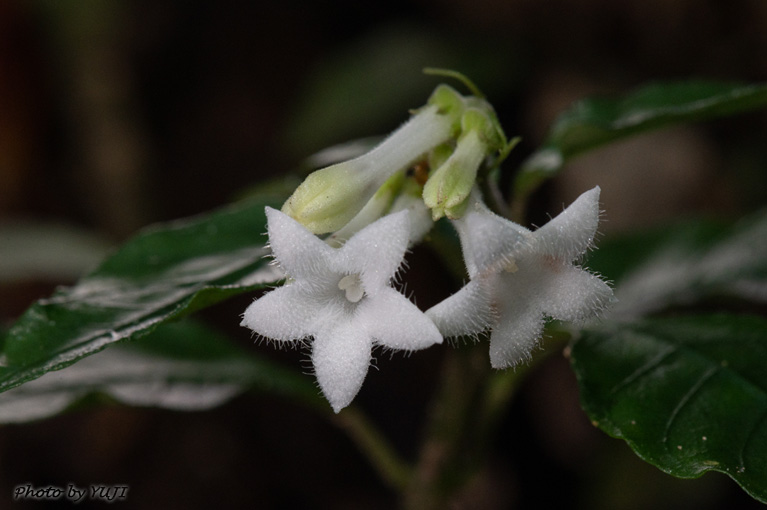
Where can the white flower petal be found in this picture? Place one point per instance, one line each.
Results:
(283, 314)
(340, 297)
(572, 232)
(395, 322)
(376, 251)
(521, 318)
(530, 275)
(576, 295)
(418, 213)
(487, 240)
(299, 252)
(516, 333)
(522, 296)
(341, 357)
(467, 312)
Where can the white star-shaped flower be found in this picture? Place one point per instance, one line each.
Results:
(519, 277)
(342, 298)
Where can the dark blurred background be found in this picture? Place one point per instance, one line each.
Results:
(118, 114)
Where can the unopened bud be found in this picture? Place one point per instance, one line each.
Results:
(329, 198)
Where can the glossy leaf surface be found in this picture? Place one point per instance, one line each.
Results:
(165, 272)
(688, 394)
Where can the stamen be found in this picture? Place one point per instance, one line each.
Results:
(510, 266)
(352, 284)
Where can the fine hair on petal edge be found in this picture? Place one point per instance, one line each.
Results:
(401, 287)
(459, 341)
(307, 365)
(281, 345)
(384, 349)
(396, 278)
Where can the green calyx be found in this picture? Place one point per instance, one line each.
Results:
(450, 103)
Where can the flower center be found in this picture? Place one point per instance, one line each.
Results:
(352, 284)
(510, 266)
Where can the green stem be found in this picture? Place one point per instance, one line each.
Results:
(464, 422)
(502, 386)
(488, 181)
(444, 462)
(506, 150)
(449, 73)
(371, 442)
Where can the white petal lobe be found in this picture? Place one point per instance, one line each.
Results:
(342, 298)
(341, 357)
(397, 323)
(377, 250)
(519, 278)
(572, 231)
(283, 314)
(467, 312)
(299, 252)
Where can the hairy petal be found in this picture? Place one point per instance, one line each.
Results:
(516, 334)
(341, 357)
(283, 314)
(576, 295)
(377, 250)
(467, 312)
(572, 231)
(541, 288)
(299, 252)
(395, 322)
(521, 298)
(487, 240)
(418, 213)
(519, 277)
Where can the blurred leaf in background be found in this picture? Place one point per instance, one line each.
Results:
(183, 366)
(166, 272)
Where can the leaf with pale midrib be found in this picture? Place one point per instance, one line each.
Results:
(165, 272)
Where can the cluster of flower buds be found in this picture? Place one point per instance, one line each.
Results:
(339, 296)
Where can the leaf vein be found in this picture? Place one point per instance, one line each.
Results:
(651, 365)
(749, 437)
(694, 389)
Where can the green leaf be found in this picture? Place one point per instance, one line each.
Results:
(182, 366)
(683, 264)
(688, 394)
(165, 272)
(593, 122)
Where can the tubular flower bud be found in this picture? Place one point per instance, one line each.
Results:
(330, 197)
(451, 183)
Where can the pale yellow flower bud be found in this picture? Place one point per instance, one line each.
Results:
(329, 198)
